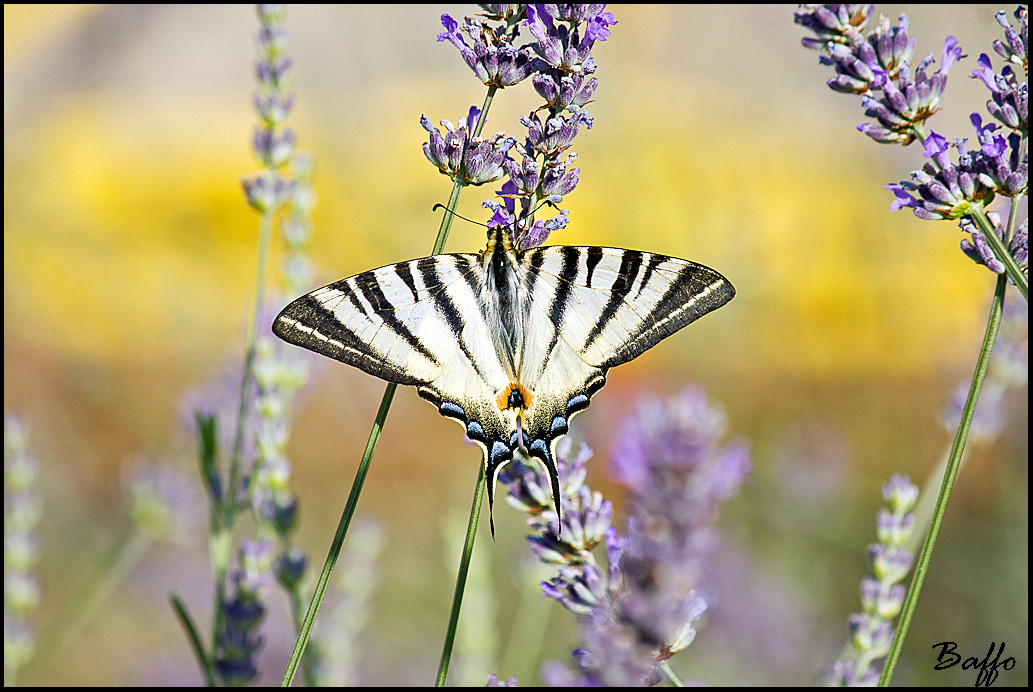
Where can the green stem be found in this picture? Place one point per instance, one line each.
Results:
(265, 233)
(195, 639)
(670, 677)
(464, 569)
(338, 542)
(221, 544)
(360, 479)
(953, 463)
(1000, 251)
(374, 436)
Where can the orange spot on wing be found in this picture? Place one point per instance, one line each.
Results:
(502, 400)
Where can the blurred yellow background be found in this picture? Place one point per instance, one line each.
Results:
(129, 259)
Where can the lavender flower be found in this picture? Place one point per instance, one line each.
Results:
(295, 231)
(492, 57)
(238, 642)
(22, 512)
(1009, 99)
(678, 474)
(272, 142)
(882, 595)
(833, 23)
(560, 40)
(1015, 47)
(878, 68)
(643, 607)
(463, 157)
(977, 249)
(907, 103)
(493, 681)
(561, 74)
(945, 190)
(262, 403)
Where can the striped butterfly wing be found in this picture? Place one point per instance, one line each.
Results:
(592, 308)
(415, 323)
(434, 323)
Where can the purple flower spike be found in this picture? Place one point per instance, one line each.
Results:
(559, 39)
(457, 154)
(877, 67)
(1009, 99)
(833, 23)
(882, 595)
(1015, 47)
(492, 57)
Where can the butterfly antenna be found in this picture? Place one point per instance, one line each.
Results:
(442, 206)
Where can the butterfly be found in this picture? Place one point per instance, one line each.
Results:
(510, 343)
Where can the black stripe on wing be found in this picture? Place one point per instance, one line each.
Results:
(695, 291)
(631, 263)
(327, 321)
(308, 323)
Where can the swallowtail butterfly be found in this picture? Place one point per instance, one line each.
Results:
(510, 343)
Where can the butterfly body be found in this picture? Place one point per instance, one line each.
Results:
(512, 344)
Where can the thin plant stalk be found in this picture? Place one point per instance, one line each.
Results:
(953, 463)
(669, 676)
(1000, 251)
(464, 569)
(222, 516)
(117, 566)
(371, 444)
(265, 233)
(195, 639)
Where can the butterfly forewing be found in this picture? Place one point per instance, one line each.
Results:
(593, 308)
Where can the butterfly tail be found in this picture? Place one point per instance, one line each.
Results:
(495, 457)
(544, 453)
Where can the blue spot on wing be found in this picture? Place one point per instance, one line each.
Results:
(577, 403)
(452, 410)
(474, 431)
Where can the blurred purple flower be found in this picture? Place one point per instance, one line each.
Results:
(1008, 369)
(238, 642)
(678, 472)
(493, 681)
(644, 607)
(882, 595)
(22, 511)
(163, 500)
